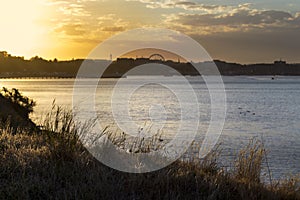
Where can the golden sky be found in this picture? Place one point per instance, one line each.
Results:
(231, 30)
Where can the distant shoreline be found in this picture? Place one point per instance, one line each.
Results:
(18, 67)
(53, 77)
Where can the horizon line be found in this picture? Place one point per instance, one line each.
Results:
(6, 54)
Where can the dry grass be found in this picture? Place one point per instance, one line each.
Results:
(249, 161)
(53, 164)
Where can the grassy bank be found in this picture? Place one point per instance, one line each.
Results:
(53, 164)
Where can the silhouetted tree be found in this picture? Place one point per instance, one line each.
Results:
(26, 105)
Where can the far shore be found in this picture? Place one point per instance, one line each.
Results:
(18, 67)
(108, 77)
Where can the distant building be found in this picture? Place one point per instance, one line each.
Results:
(280, 62)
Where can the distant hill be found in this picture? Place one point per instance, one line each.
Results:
(12, 66)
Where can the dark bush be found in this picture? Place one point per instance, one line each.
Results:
(15, 109)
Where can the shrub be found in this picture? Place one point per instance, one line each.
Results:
(15, 109)
(22, 104)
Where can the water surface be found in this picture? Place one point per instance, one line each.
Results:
(256, 107)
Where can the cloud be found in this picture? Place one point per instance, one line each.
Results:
(253, 46)
(239, 19)
(113, 28)
(112, 23)
(71, 29)
(186, 5)
(80, 20)
(74, 10)
(229, 32)
(242, 34)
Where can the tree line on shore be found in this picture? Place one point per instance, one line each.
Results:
(14, 67)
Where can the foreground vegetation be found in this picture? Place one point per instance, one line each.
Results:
(52, 164)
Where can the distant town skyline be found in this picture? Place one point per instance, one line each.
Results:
(236, 31)
(141, 54)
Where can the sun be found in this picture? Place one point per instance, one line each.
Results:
(19, 29)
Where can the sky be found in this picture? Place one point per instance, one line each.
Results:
(231, 30)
